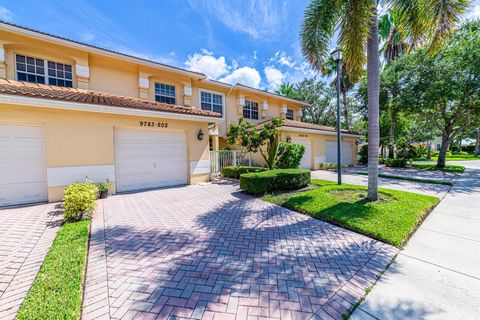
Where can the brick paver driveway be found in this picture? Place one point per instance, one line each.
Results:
(211, 252)
(26, 234)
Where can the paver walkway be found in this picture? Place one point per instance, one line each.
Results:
(437, 275)
(211, 252)
(430, 189)
(26, 234)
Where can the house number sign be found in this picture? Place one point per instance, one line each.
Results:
(303, 135)
(153, 124)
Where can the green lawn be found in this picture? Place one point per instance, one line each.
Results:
(57, 290)
(392, 219)
(431, 166)
(390, 176)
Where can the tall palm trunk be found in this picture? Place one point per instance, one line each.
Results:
(345, 110)
(393, 123)
(373, 87)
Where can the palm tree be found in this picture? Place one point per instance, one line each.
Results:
(287, 90)
(393, 36)
(330, 67)
(357, 25)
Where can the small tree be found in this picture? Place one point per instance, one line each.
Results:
(251, 138)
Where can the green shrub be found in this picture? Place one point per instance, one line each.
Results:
(235, 172)
(363, 155)
(290, 155)
(327, 166)
(79, 199)
(395, 163)
(274, 180)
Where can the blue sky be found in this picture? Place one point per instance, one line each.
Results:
(255, 42)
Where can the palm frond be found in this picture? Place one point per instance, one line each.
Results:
(354, 32)
(320, 20)
(445, 14)
(413, 16)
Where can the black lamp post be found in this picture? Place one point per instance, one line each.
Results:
(337, 57)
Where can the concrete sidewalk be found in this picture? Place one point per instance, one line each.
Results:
(437, 275)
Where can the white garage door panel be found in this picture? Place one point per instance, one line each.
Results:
(306, 162)
(22, 164)
(149, 159)
(331, 149)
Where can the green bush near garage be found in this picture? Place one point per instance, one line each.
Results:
(274, 180)
(235, 172)
(79, 199)
(289, 155)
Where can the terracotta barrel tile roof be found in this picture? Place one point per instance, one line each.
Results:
(311, 126)
(94, 97)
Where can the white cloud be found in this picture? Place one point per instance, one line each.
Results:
(474, 13)
(5, 14)
(244, 75)
(274, 77)
(205, 62)
(281, 58)
(259, 19)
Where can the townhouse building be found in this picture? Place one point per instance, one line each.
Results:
(70, 111)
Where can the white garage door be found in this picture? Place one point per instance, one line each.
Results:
(306, 162)
(22, 164)
(149, 159)
(331, 149)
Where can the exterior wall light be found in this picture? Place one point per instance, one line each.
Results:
(289, 139)
(200, 135)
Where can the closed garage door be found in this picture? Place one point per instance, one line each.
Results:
(22, 164)
(148, 159)
(331, 149)
(306, 162)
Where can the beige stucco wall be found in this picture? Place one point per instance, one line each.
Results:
(74, 138)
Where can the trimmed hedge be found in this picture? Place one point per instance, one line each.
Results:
(395, 163)
(235, 172)
(79, 199)
(274, 180)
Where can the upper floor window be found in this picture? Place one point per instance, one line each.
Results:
(250, 110)
(211, 102)
(42, 71)
(165, 93)
(289, 114)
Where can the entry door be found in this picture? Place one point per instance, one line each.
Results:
(306, 162)
(331, 149)
(22, 164)
(149, 159)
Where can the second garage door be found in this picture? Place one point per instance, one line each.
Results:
(331, 150)
(148, 159)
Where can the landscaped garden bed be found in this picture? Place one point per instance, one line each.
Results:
(392, 219)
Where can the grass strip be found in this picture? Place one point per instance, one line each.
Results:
(433, 167)
(382, 175)
(57, 290)
(392, 219)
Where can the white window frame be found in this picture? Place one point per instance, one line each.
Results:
(166, 84)
(212, 92)
(293, 114)
(258, 110)
(45, 69)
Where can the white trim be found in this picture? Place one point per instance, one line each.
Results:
(187, 91)
(3, 57)
(143, 83)
(325, 132)
(265, 105)
(224, 99)
(199, 167)
(284, 110)
(63, 176)
(82, 71)
(87, 107)
(105, 52)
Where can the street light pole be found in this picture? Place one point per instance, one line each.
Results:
(337, 56)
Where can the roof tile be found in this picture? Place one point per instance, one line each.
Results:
(94, 97)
